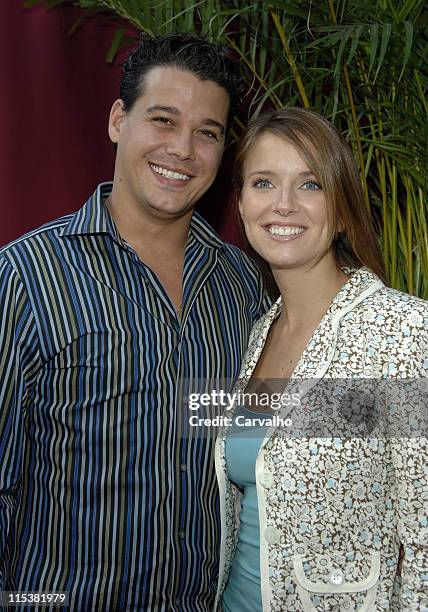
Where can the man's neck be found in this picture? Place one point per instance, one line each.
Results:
(149, 234)
(159, 243)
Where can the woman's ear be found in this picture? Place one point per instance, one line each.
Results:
(240, 208)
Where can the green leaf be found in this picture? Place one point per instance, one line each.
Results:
(392, 9)
(386, 34)
(31, 3)
(408, 26)
(115, 44)
(368, 160)
(345, 37)
(374, 40)
(289, 8)
(183, 12)
(355, 33)
(406, 7)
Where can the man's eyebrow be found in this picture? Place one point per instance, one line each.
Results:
(173, 110)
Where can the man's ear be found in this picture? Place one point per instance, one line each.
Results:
(117, 116)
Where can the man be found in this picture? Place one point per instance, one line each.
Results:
(103, 313)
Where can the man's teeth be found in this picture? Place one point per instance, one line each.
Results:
(169, 173)
(278, 230)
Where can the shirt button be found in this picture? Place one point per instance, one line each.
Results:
(181, 534)
(266, 479)
(273, 535)
(183, 467)
(336, 577)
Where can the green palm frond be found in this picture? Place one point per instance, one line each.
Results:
(360, 63)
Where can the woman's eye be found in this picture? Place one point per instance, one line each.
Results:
(311, 185)
(263, 184)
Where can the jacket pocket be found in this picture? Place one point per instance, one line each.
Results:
(336, 584)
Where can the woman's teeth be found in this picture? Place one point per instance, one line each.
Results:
(278, 230)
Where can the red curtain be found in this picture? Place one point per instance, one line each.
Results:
(56, 94)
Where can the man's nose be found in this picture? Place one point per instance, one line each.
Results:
(181, 144)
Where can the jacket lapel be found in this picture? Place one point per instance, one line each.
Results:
(318, 353)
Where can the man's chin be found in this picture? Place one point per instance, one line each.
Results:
(170, 211)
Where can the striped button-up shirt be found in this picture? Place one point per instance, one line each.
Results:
(101, 496)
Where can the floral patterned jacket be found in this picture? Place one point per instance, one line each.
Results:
(335, 509)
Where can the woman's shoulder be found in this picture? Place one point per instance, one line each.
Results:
(366, 293)
(398, 323)
(398, 306)
(403, 299)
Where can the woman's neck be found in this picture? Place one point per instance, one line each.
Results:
(307, 294)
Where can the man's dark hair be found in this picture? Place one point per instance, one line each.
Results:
(209, 61)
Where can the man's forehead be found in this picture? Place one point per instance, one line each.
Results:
(174, 90)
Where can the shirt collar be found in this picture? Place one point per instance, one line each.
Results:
(94, 218)
(204, 233)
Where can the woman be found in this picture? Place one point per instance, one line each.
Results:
(323, 508)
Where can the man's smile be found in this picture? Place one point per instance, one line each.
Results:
(169, 174)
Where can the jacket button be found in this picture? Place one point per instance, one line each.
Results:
(266, 479)
(336, 577)
(272, 535)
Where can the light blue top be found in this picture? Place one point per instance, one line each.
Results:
(243, 593)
